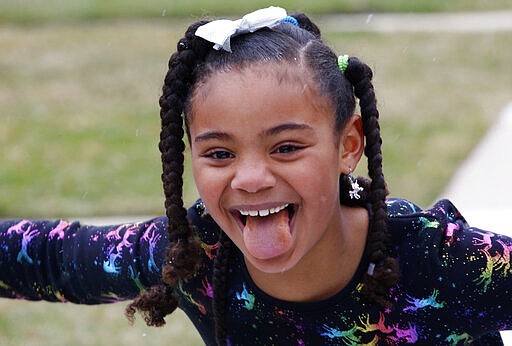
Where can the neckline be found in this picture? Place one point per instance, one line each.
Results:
(337, 298)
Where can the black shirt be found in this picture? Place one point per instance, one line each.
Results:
(455, 280)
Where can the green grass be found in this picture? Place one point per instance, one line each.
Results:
(438, 94)
(80, 118)
(50, 324)
(78, 108)
(59, 10)
(78, 105)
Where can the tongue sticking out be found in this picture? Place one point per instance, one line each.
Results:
(268, 236)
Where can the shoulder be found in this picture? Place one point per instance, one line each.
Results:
(406, 217)
(428, 236)
(439, 237)
(399, 206)
(440, 252)
(197, 292)
(442, 209)
(205, 227)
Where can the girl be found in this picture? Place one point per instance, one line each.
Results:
(284, 246)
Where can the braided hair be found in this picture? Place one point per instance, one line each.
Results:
(193, 63)
(183, 252)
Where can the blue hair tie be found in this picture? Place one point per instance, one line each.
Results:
(290, 19)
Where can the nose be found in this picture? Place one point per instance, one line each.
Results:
(253, 177)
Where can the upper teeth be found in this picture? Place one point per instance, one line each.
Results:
(263, 212)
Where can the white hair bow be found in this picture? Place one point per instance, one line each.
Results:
(220, 31)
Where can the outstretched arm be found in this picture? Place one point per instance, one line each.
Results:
(61, 261)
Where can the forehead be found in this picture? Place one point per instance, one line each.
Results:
(246, 103)
(266, 83)
(276, 73)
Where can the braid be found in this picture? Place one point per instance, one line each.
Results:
(220, 271)
(183, 251)
(306, 24)
(386, 272)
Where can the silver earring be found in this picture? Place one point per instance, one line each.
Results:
(354, 193)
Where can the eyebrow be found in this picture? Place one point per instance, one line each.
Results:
(285, 127)
(211, 135)
(267, 133)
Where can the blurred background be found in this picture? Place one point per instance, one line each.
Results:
(79, 88)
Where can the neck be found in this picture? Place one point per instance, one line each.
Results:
(321, 274)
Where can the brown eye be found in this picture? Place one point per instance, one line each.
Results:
(287, 148)
(219, 155)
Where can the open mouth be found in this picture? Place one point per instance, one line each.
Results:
(242, 215)
(267, 233)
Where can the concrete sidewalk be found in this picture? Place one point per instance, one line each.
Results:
(490, 21)
(481, 189)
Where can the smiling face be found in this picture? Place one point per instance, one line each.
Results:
(266, 162)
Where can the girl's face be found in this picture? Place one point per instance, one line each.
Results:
(266, 163)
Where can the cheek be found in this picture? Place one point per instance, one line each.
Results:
(323, 190)
(210, 184)
(206, 182)
(318, 180)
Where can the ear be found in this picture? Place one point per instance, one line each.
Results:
(351, 144)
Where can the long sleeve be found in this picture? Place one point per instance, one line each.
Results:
(61, 261)
(477, 267)
(456, 276)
